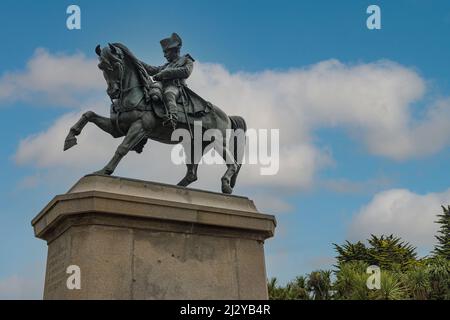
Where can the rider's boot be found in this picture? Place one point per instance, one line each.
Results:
(171, 102)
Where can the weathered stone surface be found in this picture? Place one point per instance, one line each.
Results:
(135, 239)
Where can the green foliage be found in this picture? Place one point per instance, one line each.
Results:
(438, 269)
(351, 280)
(298, 289)
(403, 275)
(390, 253)
(319, 284)
(442, 249)
(392, 287)
(349, 252)
(294, 290)
(387, 252)
(417, 283)
(276, 292)
(316, 285)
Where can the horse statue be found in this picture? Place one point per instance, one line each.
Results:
(138, 115)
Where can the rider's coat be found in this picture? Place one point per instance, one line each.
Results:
(179, 69)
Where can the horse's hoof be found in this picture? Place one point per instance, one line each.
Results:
(187, 181)
(234, 177)
(69, 142)
(226, 188)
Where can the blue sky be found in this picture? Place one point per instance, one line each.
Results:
(244, 37)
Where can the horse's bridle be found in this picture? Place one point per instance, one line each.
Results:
(119, 64)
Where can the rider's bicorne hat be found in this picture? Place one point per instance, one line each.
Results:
(173, 42)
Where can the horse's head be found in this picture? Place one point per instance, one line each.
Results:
(111, 62)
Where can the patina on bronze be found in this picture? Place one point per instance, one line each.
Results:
(150, 102)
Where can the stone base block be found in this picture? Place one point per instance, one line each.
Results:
(135, 239)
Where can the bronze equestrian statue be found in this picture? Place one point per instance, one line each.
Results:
(151, 102)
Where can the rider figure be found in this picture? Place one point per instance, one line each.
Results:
(172, 75)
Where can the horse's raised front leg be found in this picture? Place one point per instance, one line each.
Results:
(90, 116)
(135, 134)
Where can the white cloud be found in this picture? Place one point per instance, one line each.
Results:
(371, 101)
(402, 213)
(55, 79)
(45, 149)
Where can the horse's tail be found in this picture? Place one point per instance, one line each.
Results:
(238, 123)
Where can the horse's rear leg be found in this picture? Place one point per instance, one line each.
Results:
(232, 167)
(191, 175)
(237, 144)
(134, 136)
(90, 116)
(234, 176)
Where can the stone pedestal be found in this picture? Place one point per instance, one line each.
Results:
(135, 239)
